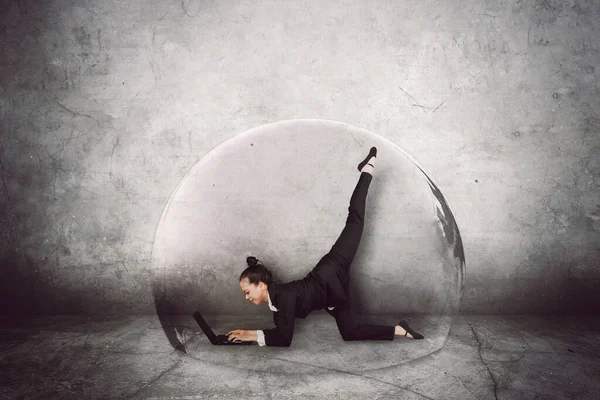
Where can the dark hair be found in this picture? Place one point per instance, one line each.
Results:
(257, 272)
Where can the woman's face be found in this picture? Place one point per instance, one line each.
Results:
(254, 293)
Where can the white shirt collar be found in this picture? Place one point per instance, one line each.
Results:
(271, 306)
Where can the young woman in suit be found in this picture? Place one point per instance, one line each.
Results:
(325, 287)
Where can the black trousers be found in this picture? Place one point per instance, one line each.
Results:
(340, 258)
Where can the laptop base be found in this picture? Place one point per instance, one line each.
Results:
(218, 340)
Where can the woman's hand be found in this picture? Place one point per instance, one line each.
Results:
(240, 334)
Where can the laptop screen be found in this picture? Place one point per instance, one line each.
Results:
(207, 331)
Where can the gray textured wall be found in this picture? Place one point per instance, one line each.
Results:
(105, 105)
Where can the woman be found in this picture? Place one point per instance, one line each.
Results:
(325, 287)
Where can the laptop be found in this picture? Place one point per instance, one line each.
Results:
(215, 339)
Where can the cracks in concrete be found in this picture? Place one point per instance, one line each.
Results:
(74, 113)
(189, 137)
(341, 362)
(184, 8)
(122, 262)
(35, 150)
(435, 109)
(56, 160)
(396, 386)
(526, 350)
(112, 155)
(356, 140)
(153, 64)
(355, 374)
(464, 385)
(461, 50)
(483, 361)
(24, 7)
(135, 353)
(163, 373)
(56, 248)
(415, 100)
(100, 264)
(85, 341)
(417, 104)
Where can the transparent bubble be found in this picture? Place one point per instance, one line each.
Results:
(281, 192)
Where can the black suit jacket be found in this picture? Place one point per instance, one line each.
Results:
(323, 287)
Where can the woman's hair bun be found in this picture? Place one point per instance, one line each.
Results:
(251, 261)
(256, 272)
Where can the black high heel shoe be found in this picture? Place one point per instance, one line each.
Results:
(372, 153)
(414, 334)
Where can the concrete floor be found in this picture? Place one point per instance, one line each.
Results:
(484, 357)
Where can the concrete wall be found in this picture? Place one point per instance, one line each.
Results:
(105, 105)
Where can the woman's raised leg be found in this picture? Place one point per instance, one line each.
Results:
(344, 249)
(339, 258)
